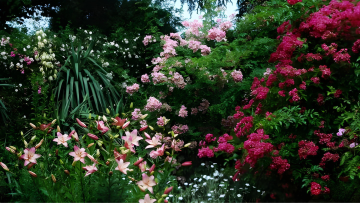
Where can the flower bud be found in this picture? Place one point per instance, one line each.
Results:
(92, 158)
(164, 195)
(131, 105)
(21, 133)
(25, 143)
(10, 150)
(53, 122)
(188, 144)
(143, 128)
(143, 116)
(92, 136)
(12, 147)
(58, 128)
(151, 128)
(104, 118)
(168, 190)
(152, 172)
(39, 144)
(97, 153)
(126, 125)
(107, 163)
(188, 163)
(30, 165)
(99, 118)
(56, 152)
(90, 145)
(100, 143)
(167, 153)
(32, 125)
(107, 111)
(4, 166)
(53, 178)
(116, 136)
(61, 162)
(131, 178)
(67, 172)
(138, 162)
(33, 138)
(147, 136)
(152, 168)
(89, 115)
(166, 201)
(32, 174)
(74, 163)
(110, 173)
(81, 123)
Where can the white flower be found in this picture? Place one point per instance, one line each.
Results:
(185, 183)
(203, 164)
(171, 195)
(204, 184)
(200, 180)
(231, 188)
(239, 195)
(20, 84)
(258, 190)
(24, 49)
(180, 198)
(212, 166)
(225, 180)
(16, 90)
(221, 185)
(90, 32)
(167, 198)
(24, 116)
(209, 194)
(247, 184)
(222, 196)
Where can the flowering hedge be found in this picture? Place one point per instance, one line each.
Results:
(286, 127)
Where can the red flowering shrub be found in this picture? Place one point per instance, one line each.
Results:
(315, 58)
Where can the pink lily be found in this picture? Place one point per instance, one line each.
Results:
(62, 139)
(29, 156)
(130, 146)
(126, 125)
(81, 123)
(78, 154)
(153, 142)
(101, 126)
(132, 138)
(159, 152)
(147, 199)
(119, 122)
(90, 169)
(122, 166)
(146, 183)
(119, 156)
(138, 161)
(142, 166)
(147, 136)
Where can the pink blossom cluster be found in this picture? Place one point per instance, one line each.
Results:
(226, 137)
(194, 45)
(168, 47)
(136, 114)
(294, 94)
(216, 34)
(356, 46)
(325, 71)
(153, 104)
(161, 121)
(204, 105)
(256, 147)
(225, 25)
(205, 152)
(193, 27)
(244, 126)
(225, 147)
(279, 164)
(307, 148)
(286, 26)
(194, 111)
(324, 138)
(132, 89)
(329, 157)
(158, 77)
(342, 55)
(210, 138)
(183, 113)
(145, 78)
(180, 129)
(205, 50)
(178, 80)
(292, 2)
(237, 75)
(147, 39)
